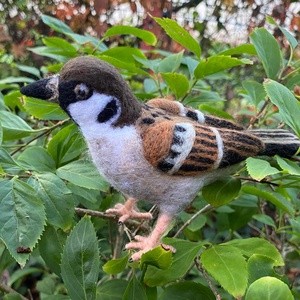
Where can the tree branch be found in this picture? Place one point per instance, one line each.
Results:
(7, 290)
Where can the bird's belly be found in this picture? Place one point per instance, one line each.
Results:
(124, 167)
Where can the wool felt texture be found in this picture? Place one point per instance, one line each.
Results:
(162, 152)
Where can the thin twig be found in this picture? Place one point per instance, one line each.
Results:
(189, 221)
(46, 132)
(205, 275)
(7, 289)
(259, 114)
(259, 181)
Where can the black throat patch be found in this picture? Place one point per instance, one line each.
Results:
(109, 111)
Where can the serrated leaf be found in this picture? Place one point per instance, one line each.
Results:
(37, 159)
(289, 107)
(178, 83)
(259, 168)
(180, 35)
(183, 258)
(221, 191)
(288, 166)
(259, 266)
(44, 110)
(187, 290)
(268, 51)
(269, 288)
(22, 218)
(218, 63)
(57, 198)
(259, 246)
(112, 290)
(228, 266)
(255, 90)
(83, 173)
(115, 266)
(171, 63)
(144, 35)
(13, 126)
(157, 257)
(67, 145)
(80, 261)
(273, 197)
(134, 290)
(51, 247)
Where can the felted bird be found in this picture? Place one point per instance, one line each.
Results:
(161, 151)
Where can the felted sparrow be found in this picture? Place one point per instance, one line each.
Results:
(162, 151)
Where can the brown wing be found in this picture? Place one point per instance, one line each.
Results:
(189, 149)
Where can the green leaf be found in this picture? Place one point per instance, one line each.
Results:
(56, 24)
(182, 260)
(273, 197)
(228, 266)
(8, 164)
(16, 79)
(196, 224)
(135, 290)
(255, 90)
(287, 104)
(37, 159)
(112, 290)
(60, 46)
(293, 42)
(265, 219)
(180, 35)
(83, 173)
(1, 134)
(221, 191)
(66, 145)
(51, 247)
(49, 52)
(30, 70)
(218, 63)
(44, 110)
(22, 218)
(241, 49)
(187, 290)
(157, 257)
(259, 266)
(269, 288)
(125, 54)
(177, 83)
(57, 199)
(80, 261)
(13, 126)
(171, 63)
(258, 246)
(259, 168)
(115, 266)
(268, 51)
(144, 35)
(288, 166)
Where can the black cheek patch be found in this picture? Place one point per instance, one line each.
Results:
(109, 111)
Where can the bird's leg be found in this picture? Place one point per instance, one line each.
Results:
(144, 244)
(128, 210)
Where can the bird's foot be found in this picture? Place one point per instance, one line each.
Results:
(127, 210)
(144, 244)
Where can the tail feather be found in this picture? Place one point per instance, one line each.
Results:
(277, 142)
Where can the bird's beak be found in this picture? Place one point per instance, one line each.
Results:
(45, 89)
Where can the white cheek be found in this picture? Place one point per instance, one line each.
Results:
(85, 112)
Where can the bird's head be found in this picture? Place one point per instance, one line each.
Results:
(89, 90)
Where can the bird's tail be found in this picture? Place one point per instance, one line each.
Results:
(277, 142)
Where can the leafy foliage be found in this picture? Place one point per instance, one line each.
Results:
(233, 249)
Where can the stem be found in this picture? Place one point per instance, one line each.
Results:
(39, 135)
(205, 275)
(189, 221)
(187, 93)
(7, 289)
(259, 114)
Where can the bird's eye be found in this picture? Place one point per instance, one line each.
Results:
(82, 91)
